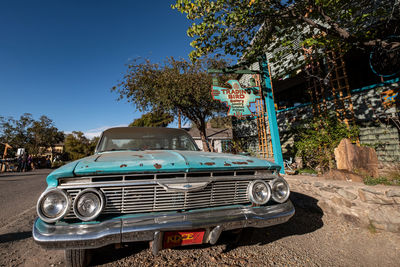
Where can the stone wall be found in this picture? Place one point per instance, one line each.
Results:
(376, 207)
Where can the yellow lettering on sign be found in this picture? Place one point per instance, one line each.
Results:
(179, 238)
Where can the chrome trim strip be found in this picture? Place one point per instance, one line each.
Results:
(144, 228)
(180, 177)
(164, 181)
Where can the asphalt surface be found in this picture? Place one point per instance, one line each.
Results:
(310, 238)
(19, 192)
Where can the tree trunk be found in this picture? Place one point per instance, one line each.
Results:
(179, 120)
(202, 130)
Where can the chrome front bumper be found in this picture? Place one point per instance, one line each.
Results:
(150, 227)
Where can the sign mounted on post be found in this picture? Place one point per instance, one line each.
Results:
(238, 99)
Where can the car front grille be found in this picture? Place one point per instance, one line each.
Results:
(150, 198)
(148, 195)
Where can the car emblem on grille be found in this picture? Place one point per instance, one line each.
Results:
(184, 187)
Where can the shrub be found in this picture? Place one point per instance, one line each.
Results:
(317, 139)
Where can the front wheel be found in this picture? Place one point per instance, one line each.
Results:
(77, 257)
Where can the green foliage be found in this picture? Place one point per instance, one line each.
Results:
(241, 146)
(221, 122)
(57, 164)
(371, 228)
(381, 180)
(153, 119)
(43, 135)
(78, 146)
(34, 135)
(250, 28)
(176, 85)
(317, 139)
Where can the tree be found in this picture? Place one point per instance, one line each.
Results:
(43, 135)
(78, 146)
(15, 132)
(221, 122)
(251, 28)
(29, 133)
(176, 85)
(157, 118)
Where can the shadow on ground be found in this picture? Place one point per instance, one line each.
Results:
(11, 237)
(110, 254)
(308, 218)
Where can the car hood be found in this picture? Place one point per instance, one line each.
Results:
(158, 161)
(166, 161)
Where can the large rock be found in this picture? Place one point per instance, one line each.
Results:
(371, 197)
(346, 194)
(393, 193)
(355, 158)
(386, 218)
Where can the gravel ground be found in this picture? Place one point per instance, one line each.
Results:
(310, 238)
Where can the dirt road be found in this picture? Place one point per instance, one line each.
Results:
(310, 238)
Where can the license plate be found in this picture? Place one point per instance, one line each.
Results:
(182, 238)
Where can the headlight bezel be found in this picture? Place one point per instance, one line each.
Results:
(101, 197)
(250, 192)
(273, 191)
(39, 205)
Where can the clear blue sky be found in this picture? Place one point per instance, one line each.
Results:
(60, 58)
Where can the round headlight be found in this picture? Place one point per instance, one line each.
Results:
(53, 204)
(259, 192)
(88, 204)
(280, 190)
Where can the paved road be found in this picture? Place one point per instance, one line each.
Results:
(310, 238)
(19, 193)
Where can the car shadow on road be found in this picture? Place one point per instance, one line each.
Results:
(11, 237)
(110, 254)
(308, 218)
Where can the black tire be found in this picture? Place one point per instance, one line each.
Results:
(77, 257)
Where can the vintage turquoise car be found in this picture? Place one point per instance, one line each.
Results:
(153, 184)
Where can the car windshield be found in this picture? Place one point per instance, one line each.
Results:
(135, 138)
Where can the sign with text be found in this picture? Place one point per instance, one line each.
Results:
(238, 99)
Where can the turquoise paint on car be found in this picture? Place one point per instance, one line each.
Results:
(121, 162)
(63, 172)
